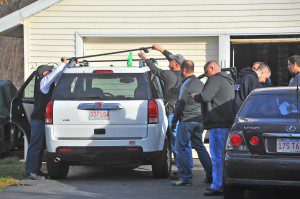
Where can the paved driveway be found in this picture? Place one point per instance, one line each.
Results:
(97, 182)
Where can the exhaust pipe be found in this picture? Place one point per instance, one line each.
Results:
(56, 159)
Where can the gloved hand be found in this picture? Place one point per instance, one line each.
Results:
(173, 126)
(72, 63)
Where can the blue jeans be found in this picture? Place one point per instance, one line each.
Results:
(191, 132)
(36, 147)
(217, 141)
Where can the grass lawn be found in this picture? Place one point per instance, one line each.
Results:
(11, 171)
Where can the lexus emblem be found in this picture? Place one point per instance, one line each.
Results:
(290, 129)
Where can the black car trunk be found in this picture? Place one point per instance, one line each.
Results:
(277, 138)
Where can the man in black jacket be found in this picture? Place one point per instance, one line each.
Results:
(45, 83)
(249, 80)
(217, 97)
(190, 127)
(171, 80)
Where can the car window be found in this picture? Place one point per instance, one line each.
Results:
(270, 106)
(114, 86)
(28, 92)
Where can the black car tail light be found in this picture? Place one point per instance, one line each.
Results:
(254, 140)
(235, 141)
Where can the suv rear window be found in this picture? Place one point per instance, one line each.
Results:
(115, 86)
(277, 106)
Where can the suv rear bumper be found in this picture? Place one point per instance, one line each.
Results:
(245, 169)
(153, 142)
(103, 155)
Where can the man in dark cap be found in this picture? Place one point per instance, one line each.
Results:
(172, 81)
(46, 79)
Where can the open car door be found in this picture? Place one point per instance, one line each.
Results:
(23, 104)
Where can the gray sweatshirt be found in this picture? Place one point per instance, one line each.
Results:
(295, 80)
(187, 109)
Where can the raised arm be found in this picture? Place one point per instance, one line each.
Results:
(48, 80)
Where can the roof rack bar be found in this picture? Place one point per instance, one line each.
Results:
(116, 60)
(145, 49)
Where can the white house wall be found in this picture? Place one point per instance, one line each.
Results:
(51, 32)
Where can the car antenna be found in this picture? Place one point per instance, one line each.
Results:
(297, 91)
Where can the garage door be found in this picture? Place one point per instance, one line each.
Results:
(198, 49)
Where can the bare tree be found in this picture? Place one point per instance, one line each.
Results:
(12, 49)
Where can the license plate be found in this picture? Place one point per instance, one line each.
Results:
(99, 115)
(286, 145)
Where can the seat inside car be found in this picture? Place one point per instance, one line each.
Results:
(94, 92)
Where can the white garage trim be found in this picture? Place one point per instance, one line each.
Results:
(224, 42)
(224, 51)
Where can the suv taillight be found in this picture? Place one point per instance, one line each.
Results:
(235, 141)
(49, 113)
(152, 112)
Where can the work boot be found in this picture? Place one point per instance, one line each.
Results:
(212, 192)
(34, 176)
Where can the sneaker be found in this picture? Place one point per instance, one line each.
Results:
(174, 176)
(180, 183)
(212, 192)
(40, 173)
(34, 176)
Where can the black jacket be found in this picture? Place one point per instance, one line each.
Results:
(187, 109)
(171, 80)
(246, 82)
(41, 101)
(217, 98)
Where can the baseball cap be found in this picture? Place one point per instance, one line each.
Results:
(178, 58)
(43, 68)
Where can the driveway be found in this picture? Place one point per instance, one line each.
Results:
(97, 182)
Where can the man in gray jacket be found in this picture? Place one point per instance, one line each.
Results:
(218, 97)
(294, 68)
(190, 127)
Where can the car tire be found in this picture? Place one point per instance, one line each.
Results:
(233, 192)
(57, 170)
(161, 166)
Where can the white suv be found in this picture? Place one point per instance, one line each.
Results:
(102, 115)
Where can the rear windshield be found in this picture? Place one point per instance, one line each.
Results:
(270, 106)
(116, 86)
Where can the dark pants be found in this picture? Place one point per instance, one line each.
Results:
(186, 132)
(36, 146)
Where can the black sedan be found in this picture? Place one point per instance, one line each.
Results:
(263, 146)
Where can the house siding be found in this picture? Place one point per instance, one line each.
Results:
(51, 32)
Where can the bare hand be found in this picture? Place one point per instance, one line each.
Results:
(158, 47)
(64, 60)
(193, 95)
(143, 55)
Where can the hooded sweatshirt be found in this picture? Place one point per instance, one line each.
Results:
(246, 82)
(217, 98)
